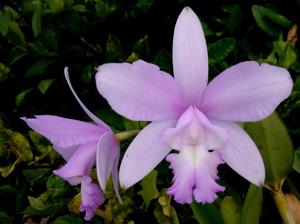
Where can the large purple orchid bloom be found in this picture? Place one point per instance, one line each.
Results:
(192, 117)
(82, 144)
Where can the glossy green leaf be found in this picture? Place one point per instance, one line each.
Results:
(38, 67)
(164, 61)
(36, 203)
(7, 170)
(296, 164)
(49, 39)
(207, 213)
(230, 211)
(21, 96)
(20, 146)
(149, 190)
(33, 175)
(5, 21)
(16, 35)
(44, 85)
(56, 6)
(4, 218)
(286, 53)
(56, 186)
(36, 18)
(220, 49)
(274, 143)
(269, 20)
(252, 206)
(66, 219)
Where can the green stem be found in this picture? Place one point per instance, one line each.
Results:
(283, 208)
(126, 134)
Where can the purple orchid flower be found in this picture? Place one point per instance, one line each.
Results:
(82, 144)
(192, 117)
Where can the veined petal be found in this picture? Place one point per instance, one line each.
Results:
(86, 110)
(190, 60)
(64, 132)
(247, 91)
(80, 163)
(241, 153)
(107, 150)
(144, 153)
(195, 173)
(91, 197)
(139, 91)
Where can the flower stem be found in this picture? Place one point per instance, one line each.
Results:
(121, 136)
(283, 208)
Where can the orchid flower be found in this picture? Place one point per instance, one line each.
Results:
(191, 117)
(82, 145)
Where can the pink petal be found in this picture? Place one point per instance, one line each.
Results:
(190, 61)
(66, 153)
(194, 128)
(64, 132)
(195, 173)
(144, 153)
(246, 92)
(108, 150)
(91, 197)
(80, 163)
(139, 91)
(241, 153)
(86, 110)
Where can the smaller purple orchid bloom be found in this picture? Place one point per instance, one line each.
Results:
(82, 145)
(195, 119)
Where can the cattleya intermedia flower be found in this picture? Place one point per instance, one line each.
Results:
(195, 119)
(82, 144)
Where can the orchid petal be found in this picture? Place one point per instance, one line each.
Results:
(91, 197)
(247, 91)
(66, 153)
(241, 153)
(86, 110)
(80, 163)
(190, 60)
(115, 177)
(64, 132)
(139, 91)
(144, 153)
(107, 150)
(194, 128)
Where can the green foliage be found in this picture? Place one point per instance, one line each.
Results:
(271, 137)
(38, 38)
(252, 206)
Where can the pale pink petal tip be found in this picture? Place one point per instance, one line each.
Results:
(195, 174)
(91, 197)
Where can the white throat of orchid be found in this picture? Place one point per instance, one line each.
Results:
(195, 166)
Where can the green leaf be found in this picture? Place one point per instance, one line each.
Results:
(15, 34)
(274, 143)
(21, 96)
(66, 219)
(4, 218)
(56, 186)
(141, 47)
(36, 203)
(229, 210)
(56, 6)
(207, 213)
(164, 61)
(149, 190)
(80, 8)
(114, 49)
(296, 164)
(286, 52)
(5, 21)
(220, 50)
(36, 18)
(5, 171)
(20, 145)
(33, 175)
(44, 85)
(270, 21)
(252, 206)
(49, 39)
(38, 68)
